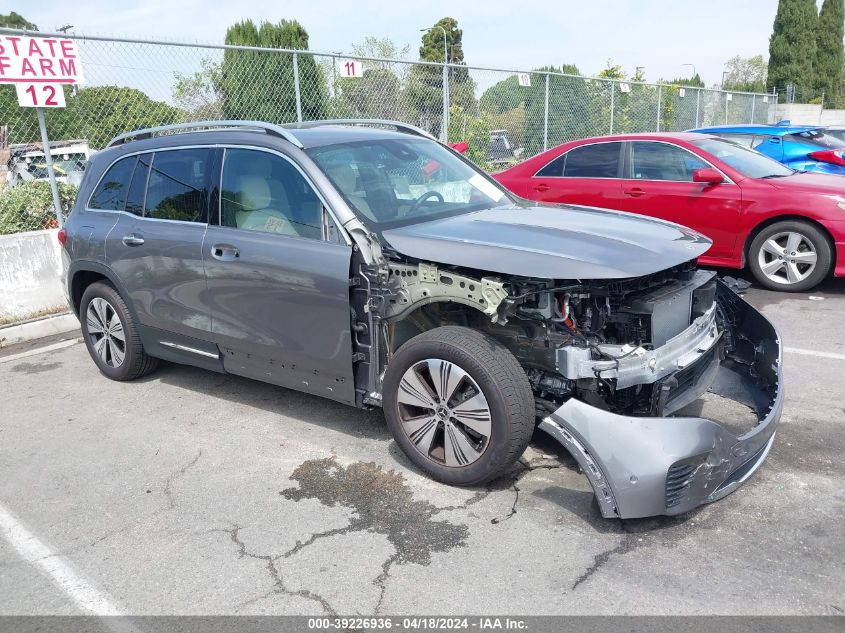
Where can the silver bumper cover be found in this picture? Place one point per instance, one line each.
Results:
(646, 466)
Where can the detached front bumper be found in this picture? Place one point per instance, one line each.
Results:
(646, 466)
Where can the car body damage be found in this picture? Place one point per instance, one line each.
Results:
(613, 359)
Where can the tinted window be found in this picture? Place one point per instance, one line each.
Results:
(817, 138)
(661, 161)
(264, 192)
(554, 169)
(593, 161)
(110, 194)
(744, 160)
(177, 188)
(135, 196)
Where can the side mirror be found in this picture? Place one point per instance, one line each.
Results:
(708, 175)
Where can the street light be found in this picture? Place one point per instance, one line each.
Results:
(444, 132)
(693, 68)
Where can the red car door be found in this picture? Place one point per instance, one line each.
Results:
(587, 174)
(659, 183)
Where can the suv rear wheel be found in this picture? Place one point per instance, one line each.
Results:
(111, 335)
(458, 404)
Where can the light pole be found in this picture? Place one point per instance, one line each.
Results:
(444, 132)
(693, 68)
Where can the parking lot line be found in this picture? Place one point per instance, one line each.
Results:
(812, 352)
(38, 350)
(32, 550)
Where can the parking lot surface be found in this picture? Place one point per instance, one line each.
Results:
(190, 492)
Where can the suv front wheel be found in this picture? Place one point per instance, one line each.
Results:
(111, 335)
(458, 404)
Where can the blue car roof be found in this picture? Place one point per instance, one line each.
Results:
(773, 130)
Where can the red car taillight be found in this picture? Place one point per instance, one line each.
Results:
(62, 237)
(831, 156)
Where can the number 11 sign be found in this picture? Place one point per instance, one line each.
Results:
(351, 68)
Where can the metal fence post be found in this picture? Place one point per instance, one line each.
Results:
(697, 105)
(546, 117)
(753, 104)
(51, 173)
(612, 92)
(444, 132)
(726, 107)
(296, 88)
(658, 107)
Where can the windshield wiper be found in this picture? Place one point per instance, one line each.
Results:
(775, 176)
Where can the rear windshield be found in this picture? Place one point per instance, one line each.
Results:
(817, 138)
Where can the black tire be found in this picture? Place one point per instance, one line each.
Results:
(813, 237)
(503, 383)
(135, 362)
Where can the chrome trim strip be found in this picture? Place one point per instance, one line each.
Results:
(185, 348)
(268, 128)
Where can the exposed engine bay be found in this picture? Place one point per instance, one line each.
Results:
(642, 346)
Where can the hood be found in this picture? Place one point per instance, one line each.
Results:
(551, 242)
(811, 183)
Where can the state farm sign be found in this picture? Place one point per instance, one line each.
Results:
(38, 66)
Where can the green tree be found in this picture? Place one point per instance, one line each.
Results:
(16, 21)
(792, 46)
(200, 94)
(503, 96)
(830, 55)
(746, 74)
(260, 85)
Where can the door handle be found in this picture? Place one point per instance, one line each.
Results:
(225, 252)
(541, 187)
(634, 192)
(133, 240)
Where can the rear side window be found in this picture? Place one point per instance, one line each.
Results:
(178, 185)
(600, 160)
(554, 169)
(110, 194)
(137, 186)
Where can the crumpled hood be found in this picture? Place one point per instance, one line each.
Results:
(552, 242)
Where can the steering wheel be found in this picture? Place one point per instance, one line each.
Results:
(419, 201)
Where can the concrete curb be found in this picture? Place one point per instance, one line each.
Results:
(38, 328)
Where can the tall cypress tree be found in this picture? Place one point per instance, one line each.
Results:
(830, 53)
(792, 47)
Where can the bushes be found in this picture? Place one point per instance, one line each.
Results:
(29, 206)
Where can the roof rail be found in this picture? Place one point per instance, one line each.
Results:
(398, 125)
(269, 128)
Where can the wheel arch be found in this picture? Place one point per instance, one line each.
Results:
(82, 274)
(787, 217)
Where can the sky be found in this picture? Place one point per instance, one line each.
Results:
(658, 35)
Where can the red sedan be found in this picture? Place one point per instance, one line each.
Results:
(787, 226)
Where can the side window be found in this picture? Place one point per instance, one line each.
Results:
(661, 161)
(110, 194)
(178, 185)
(554, 169)
(600, 160)
(264, 192)
(137, 186)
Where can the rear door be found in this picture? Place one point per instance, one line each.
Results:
(587, 174)
(278, 287)
(659, 184)
(156, 246)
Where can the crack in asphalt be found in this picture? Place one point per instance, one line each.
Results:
(515, 479)
(273, 570)
(629, 542)
(173, 477)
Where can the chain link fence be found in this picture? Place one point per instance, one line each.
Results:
(504, 115)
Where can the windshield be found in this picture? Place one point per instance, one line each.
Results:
(394, 182)
(745, 161)
(818, 138)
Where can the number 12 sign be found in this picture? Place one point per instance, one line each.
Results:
(351, 68)
(40, 95)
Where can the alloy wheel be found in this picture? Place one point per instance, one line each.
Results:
(105, 332)
(444, 413)
(787, 258)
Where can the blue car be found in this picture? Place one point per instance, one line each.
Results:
(801, 147)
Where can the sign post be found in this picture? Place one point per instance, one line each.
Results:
(39, 67)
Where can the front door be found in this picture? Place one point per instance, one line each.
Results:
(659, 184)
(155, 248)
(278, 291)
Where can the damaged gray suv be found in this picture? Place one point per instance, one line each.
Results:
(365, 262)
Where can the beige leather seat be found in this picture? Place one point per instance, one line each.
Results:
(254, 210)
(345, 179)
